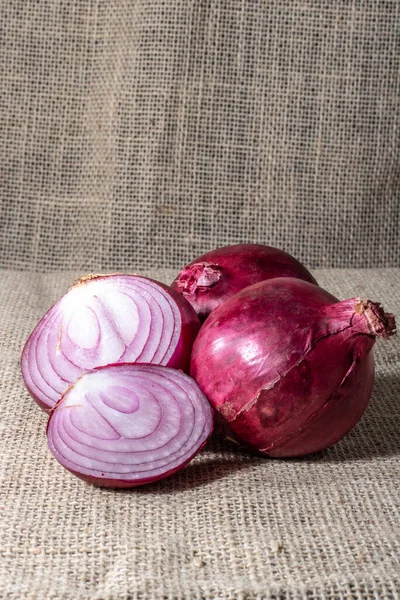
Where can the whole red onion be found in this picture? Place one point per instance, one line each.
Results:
(127, 425)
(214, 277)
(289, 368)
(107, 319)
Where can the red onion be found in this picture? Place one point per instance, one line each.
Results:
(126, 425)
(289, 368)
(214, 277)
(107, 319)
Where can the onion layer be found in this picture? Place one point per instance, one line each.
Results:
(106, 319)
(289, 368)
(214, 277)
(127, 425)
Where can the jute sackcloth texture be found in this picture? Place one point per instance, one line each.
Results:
(229, 526)
(154, 131)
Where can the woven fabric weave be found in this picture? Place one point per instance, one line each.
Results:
(147, 132)
(228, 526)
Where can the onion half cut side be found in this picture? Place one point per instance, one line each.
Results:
(126, 425)
(107, 319)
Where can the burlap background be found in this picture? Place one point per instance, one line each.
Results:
(133, 136)
(147, 131)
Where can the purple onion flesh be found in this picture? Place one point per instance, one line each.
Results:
(107, 319)
(126, 425)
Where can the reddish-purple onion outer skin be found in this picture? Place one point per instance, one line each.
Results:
(119, 483)
(181, 356)
(240, 266)
(287, 367)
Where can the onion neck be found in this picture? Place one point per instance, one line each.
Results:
(198, 276)
(86, 278)
(362, 316)
(379, 323)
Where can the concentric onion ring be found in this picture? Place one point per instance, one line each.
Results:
(127, 425)
(102, 320)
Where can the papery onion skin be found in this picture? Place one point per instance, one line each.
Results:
(287, 367)
(212, 278)
(47, 370)
(140, 379)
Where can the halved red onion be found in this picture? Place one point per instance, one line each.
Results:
(212, 278)
(126, 425)
(107, 319)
